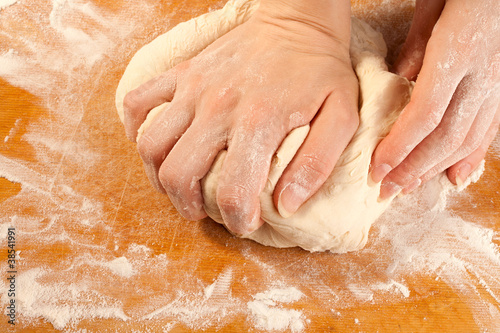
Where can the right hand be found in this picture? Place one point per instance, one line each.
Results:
(287, 66)
(453, 52)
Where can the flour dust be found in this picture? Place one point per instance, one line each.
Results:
(76, 151)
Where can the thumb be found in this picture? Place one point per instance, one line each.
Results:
(411, 56)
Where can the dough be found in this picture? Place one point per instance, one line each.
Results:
(338, 217)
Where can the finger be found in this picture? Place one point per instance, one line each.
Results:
(411, 57)
(186, 164)
(442, 143)
(331, 131)
(470, 155)
(138, 102)
(459, 172)
(245, 172)
(433, 93)
(160, 137)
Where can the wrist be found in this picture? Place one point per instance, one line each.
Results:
(330, 17)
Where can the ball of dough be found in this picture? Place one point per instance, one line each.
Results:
(339, 216)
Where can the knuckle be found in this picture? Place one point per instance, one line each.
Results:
(474, 142)
(172, 180)
(226, 97)
(398, 177)
(254, 133)
(352, 121)
(347, 113)
(219, 102)
(314, 170)
(405, 173)
(431, 120)
(131, 102)
(148, 149)
(182, 67)
(183, 190)
(471, 144)
(232, 199)
(428, 115)
(454, 141)
(348, 93)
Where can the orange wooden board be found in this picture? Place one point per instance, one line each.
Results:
(99, 249)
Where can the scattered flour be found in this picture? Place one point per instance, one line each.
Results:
(61, 302)
(12, 131)
(393, 285)
(268, 312)
(206, 308)
(362, 293)
(417, 236)
(4, 230)
(427, 238)
(120, 266)
(139, 249)
(221, 286)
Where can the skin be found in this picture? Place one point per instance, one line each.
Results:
(287, 66)
(453, 52)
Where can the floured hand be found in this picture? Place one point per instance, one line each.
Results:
(287, 66)
(453, 51)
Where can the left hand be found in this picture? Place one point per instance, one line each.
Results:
(453, 116)
(285, 67)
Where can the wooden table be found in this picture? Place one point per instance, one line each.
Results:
(99, 249)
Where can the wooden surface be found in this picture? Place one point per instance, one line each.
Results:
(79, 199)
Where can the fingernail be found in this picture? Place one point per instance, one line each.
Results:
(379, 172)
(388, 190)
(291, 198)
(410, 188)
(463, 173)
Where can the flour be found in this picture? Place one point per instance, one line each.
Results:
(268, 312)
(210, 306)
(56, 301)
(12, 131)
(4, 230)
(46, 193)
(139, 249)
(89, 48)
(96, 270)
(120, 266)
(220, 287)
(362, 293)
(394, 285)
(433, 240)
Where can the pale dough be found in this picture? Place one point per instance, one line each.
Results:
(338, 217)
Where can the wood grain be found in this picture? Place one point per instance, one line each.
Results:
(92, 160)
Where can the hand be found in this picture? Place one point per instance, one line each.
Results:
(453, 51)
(287, 66)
